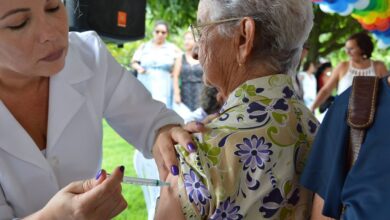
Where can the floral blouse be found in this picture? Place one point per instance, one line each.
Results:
(248, 164)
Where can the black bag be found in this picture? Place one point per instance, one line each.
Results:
(114, 20)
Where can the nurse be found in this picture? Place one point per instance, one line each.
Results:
(55, 89)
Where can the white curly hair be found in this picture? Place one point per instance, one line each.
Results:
(282, 27)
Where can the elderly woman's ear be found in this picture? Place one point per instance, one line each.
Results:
(246, 36)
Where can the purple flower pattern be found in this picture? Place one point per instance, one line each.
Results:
(196, 191)
(254, 152)
(262, 112)
(253, 106)
(227, 210)
(278, 199)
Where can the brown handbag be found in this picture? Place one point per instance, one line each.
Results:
(361, 113)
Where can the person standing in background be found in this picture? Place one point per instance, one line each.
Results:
(157, 62)
(359, 48)
(190, 77)
(322, 75)
(309, 83)
(297, 85)
(210, 103)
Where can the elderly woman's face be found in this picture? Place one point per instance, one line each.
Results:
(33, 37)
(214, 51)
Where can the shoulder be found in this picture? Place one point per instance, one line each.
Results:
(301, 75)
(379, 64)
(342, 66)
(144, 45)
(341, 69)
(85, 40)
(173, 47)
(380, 68)
(88, 45)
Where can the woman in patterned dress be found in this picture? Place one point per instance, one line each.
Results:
(248, 163)
(190, 77)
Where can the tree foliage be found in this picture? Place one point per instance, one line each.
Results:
(179, 13)
(329, 33)
(327, 37)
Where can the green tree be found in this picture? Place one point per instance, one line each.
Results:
(329, 33)
(179, 13)
(327, 37)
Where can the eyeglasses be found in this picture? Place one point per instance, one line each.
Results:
(162, 32)
(197, 29)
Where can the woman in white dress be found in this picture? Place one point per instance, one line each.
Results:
(157, 63)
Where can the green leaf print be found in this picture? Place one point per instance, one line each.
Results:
(285, 214)
(266, 101)
(210, 152)
(274, 130)
(280, 118)
(251, 90)
(287, 188)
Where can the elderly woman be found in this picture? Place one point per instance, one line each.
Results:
(248, 162)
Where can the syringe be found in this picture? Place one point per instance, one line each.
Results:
(144, 181)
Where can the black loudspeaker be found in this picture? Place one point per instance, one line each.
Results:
(114, 20)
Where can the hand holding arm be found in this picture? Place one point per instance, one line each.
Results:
(164, 150)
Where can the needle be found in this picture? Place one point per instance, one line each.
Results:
(143, 181)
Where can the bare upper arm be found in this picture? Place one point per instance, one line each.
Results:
(336, 75)
(380, 69)
(169, 206)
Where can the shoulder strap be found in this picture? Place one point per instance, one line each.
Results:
(361, 112)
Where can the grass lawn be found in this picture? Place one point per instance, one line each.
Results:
(116, 152)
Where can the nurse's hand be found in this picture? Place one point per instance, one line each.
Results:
(164, 151)
(99, 198)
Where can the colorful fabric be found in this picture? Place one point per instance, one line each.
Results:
(248, 163)
(373, 15)
(364, 191)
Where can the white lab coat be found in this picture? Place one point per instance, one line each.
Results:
(91, 86)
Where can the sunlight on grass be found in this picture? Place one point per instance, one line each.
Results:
(116, 152)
